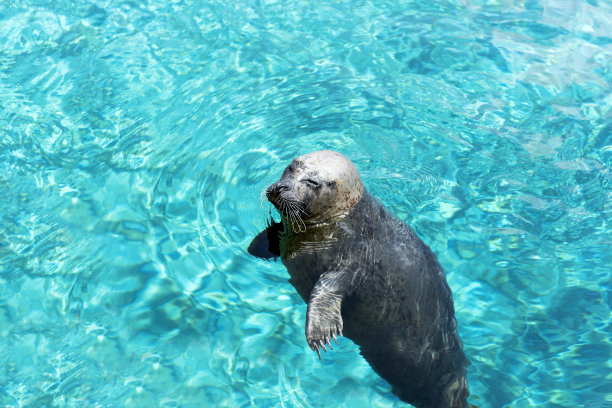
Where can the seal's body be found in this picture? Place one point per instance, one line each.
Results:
(366, 274)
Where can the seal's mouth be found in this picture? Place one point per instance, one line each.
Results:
(273, 196)
(285, 206)
(275, 193)
(279, 194)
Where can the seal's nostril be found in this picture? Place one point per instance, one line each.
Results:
(274, 191)
(278, 188)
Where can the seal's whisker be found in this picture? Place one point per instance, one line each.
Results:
(295, 212)
(299, 209)
(293, 221)
(283, 208)
(291, 215)
(301, 224)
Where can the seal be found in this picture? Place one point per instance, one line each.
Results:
(366, 275)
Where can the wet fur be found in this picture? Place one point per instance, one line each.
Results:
(366, 274)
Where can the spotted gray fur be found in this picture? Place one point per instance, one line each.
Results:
(366, 275)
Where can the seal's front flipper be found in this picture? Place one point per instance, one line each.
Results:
(324, 318)
(266, 244)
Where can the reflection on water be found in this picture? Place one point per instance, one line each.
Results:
(136, 139)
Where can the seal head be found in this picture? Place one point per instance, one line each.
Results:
(316, 188)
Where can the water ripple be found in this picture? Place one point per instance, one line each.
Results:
(136, 140)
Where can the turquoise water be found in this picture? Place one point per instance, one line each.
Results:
(136, 138)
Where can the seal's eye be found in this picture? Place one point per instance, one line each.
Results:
(312, 183)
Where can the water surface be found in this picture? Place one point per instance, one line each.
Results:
(136, 138)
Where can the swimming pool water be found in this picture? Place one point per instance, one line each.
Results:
(136, 138)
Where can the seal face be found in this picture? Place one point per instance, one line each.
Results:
(316, 187)
(366, 275)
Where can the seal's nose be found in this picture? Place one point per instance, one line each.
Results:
(275, 190)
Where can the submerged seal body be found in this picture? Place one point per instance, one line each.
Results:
(366, 275)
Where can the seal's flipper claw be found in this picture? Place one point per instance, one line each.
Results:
(324, 317)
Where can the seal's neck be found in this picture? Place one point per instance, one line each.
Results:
(293, 226)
